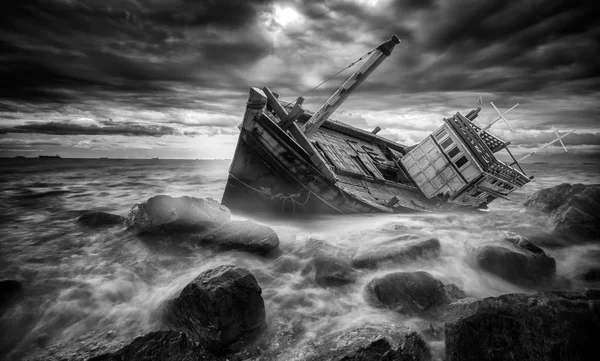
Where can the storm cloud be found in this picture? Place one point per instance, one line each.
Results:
(179, 67)
(65, 128)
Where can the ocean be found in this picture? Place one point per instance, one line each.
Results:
(90, 291)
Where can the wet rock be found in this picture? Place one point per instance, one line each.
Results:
(244, 235)
(284, 332)
(369, 343)
(574, 209)
(286, 264)
(415, 293)
(100, 219)
(402, 252)
(590, 275)
(544, 326)
(10, 290)
(158, 346)
(165, 215)
(453, 292)
(222, 308)
(548, 200)
(315, 246)
(517, 260)
(331, 272)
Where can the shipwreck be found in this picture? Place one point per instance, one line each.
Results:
(291, 160)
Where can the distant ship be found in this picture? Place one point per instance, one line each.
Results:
(49, 156)
(103, 157)
(154, 158)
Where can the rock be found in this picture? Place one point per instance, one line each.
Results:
(165, 215)
(158, 346)
(368, 343)
(590, 275)
(9, 292)
(414, 293)
(517, 260)
(222, 308)
(545, 326)
(453, 292)
(403, 252)
(331, 272)
(244, 235)
(288, 263)
(574, 209)
(100, 219)
(548, 200)
(313, 247)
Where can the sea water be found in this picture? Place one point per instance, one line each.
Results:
(90, 291)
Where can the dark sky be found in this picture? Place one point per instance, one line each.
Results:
(170, 78)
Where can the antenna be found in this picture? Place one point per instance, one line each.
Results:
(558, 139)
(497, 119)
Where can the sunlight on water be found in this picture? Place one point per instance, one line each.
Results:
(90, 290)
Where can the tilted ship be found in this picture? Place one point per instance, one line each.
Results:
(291, 160)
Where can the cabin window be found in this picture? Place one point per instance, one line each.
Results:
(446, 143)
(440, 134)
(453, 152)
(461, 161)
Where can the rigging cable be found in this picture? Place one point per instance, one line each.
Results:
(333, 76)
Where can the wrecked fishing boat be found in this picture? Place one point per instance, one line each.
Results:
(289, 159)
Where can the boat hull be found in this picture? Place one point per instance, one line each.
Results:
(271, 173)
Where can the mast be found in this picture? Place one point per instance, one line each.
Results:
(383, 51)
(558, 139)
(497, 119)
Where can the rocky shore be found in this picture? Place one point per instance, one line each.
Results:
(221, 313)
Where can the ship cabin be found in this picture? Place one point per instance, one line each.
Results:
(457, 163)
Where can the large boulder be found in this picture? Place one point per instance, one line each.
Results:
(547, 326)
(159, 346)
(222, 308)
(100, 219)
(517, 260)
(244, 235)
(413, 293)
(398, 253)
(574, 209)
(386, 342)
(164, 214)
(548, 200)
